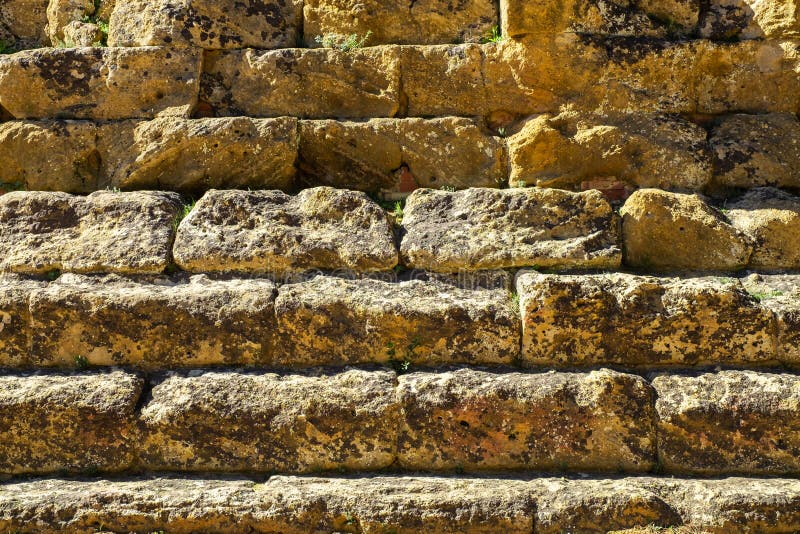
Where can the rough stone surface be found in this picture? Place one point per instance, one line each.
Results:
(645, 321)
(99, 83)
(61, 13)
(771, 218)
(103, 232)
(751, 19)
(80, 34)
(233, 421)
(729, 422)
(272, 232)
(400, 22)
(644, 150)
(156, 323)
(72, 163)
(334, 321)
(208, 24)
(383, 154)
(311, 84)
(15, 319)
(494, 229)
(68, 423)
(195, 155)
(23, 22)
(669, 231)
(472, 420)
(780, 293)
(756, 150)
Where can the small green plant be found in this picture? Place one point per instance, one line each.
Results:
(398, 212)
(493, 36)
(81, 362)
(515, 302)
(185, 211)
(764, 295)
(6, 187)
(401, 363)
(343, 42)
(448, 188)
(501, 131)
(6, 48)
(102, 24)
(52, 274)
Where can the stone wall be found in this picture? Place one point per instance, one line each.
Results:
(399, 266)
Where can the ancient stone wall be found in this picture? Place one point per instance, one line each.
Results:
(399, 266)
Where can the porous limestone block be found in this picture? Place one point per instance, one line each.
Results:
(311, 84)
(483, 228)
(15, 319)
(68, 423)
(630, 320)
(471, 420)
(670, 231)
(103, 232)
(236, 421)
(153, 323)
(61, 14)
(729, 422)
(23, 22)
(780, 293)
(270, 232)
(99, 83)
(751, 19)
(335, 321)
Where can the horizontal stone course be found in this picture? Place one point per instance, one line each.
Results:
(16, 328)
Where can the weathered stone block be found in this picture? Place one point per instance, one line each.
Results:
(383, 154)
(196, 155)
(475, 420)
(572, 149)
(334, 321)
(630, 320)
(400, 22)
(208, 24)
(61, 13)
(99, 83)
(157, 323)
(670, 231)
(757, 150)
(272, 232)
(751, 19)
(505, 228)
(781, 295)
(729, 422)
(68, 423)
(15, 319)
(103, 232)
(312, 84)
(22, 23)
(233, 421)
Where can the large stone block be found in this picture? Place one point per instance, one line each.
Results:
(757, 150)
(15, 319)
(384, 154)
(729, 422)
(156, 323)
(312, 84)
(670, 231)
(103, 232)
(334, 321)
(270, 232)
(751, 19)
(209, 24)
(99, 83)
(195, 155)
(23, 22)
(642, 149)
(400, 22)
(631, 320)
(476, 420)
(68, 423)
(234, 421)
(505, 228)
(780, 293)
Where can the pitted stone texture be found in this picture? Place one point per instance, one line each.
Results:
(99, 83)
(729, 422)
(23, 22)
(630, 18)
(780, 294)
(399, 21)
(644, 150)
(72, 162)
(153, 323)
(371, 156)
(209, 24)
(68, 423)
(771, 218)
(311, 84)
(103, 232)
(234, 421)
(270, 232)
(669, 231)
(61, 13)
(472, 420)
(195, 155)
(15, 319)
(80, 34)
(334, 321)
(495, 229)
(757, 150)
(751, 19)
(630, 320)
